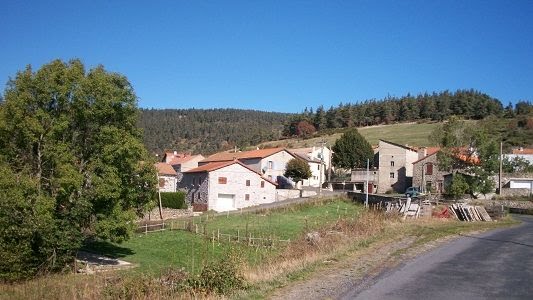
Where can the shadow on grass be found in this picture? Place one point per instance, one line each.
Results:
(107, 249)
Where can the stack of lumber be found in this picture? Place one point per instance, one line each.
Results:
(469, 213)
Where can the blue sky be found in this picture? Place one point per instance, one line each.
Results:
(280, 55)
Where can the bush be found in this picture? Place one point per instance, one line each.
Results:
(221, 277)
(173, 200)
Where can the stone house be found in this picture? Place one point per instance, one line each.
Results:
(225, 186)
(395, 166)
(427, 176)
(270, 163)
(314, 166)
(167, 177)
(181, 162)
(314, 156)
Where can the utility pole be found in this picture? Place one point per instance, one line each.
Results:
(321, 169)
(329, 170)
(159, 196)
(501, 170)
(366, 183)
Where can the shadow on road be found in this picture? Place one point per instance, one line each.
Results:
(496, 240)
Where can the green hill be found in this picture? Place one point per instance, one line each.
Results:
(414, 134)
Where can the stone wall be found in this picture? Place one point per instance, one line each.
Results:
(168, 213)
(372, 198)
(515, 192)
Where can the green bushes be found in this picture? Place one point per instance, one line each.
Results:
(173, 200)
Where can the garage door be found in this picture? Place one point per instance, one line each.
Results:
(225, 202)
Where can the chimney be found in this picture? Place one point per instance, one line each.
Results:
(422, 152)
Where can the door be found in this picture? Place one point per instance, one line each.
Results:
(225, 202)
(370, 187)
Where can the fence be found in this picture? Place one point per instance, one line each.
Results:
(219, 236)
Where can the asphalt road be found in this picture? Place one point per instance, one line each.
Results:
(494, 265)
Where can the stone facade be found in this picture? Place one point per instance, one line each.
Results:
(427, 176)
(197, 187)
(232, 186)
(167, 183)
(395, 168)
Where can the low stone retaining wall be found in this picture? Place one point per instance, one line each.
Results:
(372, 198)
(168, 213)
(282, 194)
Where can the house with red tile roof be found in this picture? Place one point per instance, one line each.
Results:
(426, 172)
(181, 162)
(225, 186)
(167, 177)
(271, 163)
(314, 156)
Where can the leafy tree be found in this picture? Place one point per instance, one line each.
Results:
(297, 169)
(517, 165)
(458, 186)
(469, 149)
(352, 150)
(304, 129)
(72, 153)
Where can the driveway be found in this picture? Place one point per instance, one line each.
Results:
(493, 265)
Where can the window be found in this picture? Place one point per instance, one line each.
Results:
(222, 180)
(318, 167)
(429, 186)
(262, 184)
(392, 163)
(270, 165)
(161, 182)
(429, 169)
(247, 182)
(247, 197)
(391, 175)
(439, 186)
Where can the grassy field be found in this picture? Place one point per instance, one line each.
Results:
(413, 134)
(183, 249)
(346, 232)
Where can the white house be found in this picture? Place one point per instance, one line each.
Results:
(270, 163)
(315, 155)
(167, 177)
(314, 165)
(226, 185)
(182, 162)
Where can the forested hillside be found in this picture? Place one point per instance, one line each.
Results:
(212, 130)
(208, 130)
(469, 104)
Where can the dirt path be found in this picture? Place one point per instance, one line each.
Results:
(354, 272)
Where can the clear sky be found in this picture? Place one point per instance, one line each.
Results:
(280, 55)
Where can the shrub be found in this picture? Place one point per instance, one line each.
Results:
(173, 200)
(221, 277)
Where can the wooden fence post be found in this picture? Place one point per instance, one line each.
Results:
(146, 228)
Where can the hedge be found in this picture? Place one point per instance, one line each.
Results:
(173, 200)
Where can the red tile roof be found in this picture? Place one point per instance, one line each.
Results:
(230, 156)
(212, 166)
(523, 151)
(462, 155)
(165, 169)
(182, 159)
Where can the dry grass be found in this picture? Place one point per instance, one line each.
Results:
(304, 252)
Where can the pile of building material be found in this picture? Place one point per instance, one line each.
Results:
(470, 213)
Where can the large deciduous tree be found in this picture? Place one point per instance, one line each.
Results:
(352, 150)
(72, 162)
(469, 149)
